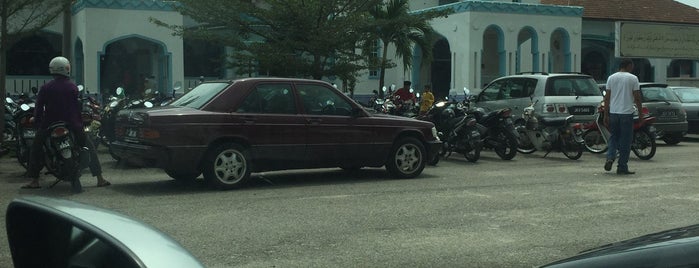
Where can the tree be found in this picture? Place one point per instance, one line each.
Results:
(20, 18)
(394, 24)
(294, 38)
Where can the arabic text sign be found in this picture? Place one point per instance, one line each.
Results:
(648, 40)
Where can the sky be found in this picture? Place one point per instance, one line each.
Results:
(694, 3)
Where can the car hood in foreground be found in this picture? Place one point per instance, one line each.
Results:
(672, 248)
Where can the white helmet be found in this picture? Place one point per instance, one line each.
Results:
(60, 65)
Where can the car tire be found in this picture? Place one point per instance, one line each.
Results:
(227, 166)
(407, 158)
(182, 176)
(672, 139)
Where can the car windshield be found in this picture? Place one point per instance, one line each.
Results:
(572, 86)
(200, 95)
(689, 94)
(653, 94)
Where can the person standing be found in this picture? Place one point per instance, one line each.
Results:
(427, 100)
(622, 92)
(58, 101)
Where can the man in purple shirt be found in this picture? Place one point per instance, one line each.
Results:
(56, 101)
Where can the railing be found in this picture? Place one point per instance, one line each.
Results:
(17, 84)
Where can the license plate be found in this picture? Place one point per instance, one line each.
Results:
(667, 113)
(131, 132)
(29, 134)
(581, 110)
(64, 145)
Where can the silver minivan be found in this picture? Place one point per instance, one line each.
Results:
(555, 95)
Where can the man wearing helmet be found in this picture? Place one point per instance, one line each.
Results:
(56, 101)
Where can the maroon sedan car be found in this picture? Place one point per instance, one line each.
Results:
(228, 129)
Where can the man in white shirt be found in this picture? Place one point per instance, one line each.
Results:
(623, 91)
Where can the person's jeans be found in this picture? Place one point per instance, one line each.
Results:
(621, 129)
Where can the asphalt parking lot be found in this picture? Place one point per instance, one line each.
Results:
(493, 213)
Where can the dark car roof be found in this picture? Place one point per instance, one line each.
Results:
(656, 247)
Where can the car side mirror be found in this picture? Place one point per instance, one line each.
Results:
(51, 232)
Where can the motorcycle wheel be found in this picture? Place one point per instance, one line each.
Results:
(594, 142)
(525, 144)
(571, 149)
(508, 146)
(473, 155)
(643, 145)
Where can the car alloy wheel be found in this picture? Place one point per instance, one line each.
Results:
(407, 158)
(227, 166)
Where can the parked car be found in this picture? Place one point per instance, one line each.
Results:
(51, 232)
(555, 94)
(672, 248)
(689, 97)
(663, 104)
(228, 129)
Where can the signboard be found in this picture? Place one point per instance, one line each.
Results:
(651, 40)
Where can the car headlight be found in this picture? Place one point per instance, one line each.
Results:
(434, 133)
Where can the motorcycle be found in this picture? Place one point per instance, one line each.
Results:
(26, 132)
(548, 134)
(496, 128)
(91, 117)
(596, 135)
(10, 130)
(115, 104)
(458, 133)
(63, 157)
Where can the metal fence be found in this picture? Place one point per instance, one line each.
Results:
(16, 85)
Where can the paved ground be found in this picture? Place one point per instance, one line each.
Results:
(493, 213)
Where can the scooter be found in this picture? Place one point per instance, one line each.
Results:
(548, 134)
(596, 135)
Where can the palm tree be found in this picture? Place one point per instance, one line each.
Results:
(395, 24)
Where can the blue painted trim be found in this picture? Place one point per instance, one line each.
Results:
(154, 5)
(510, 8)
(416, 69)
(502, 59)
(567, 59)
(534, 49)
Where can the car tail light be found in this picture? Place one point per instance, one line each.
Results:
(562, 109)
(59, 132)
(645, 110)
(549, 108)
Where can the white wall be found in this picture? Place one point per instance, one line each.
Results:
(96, 26)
